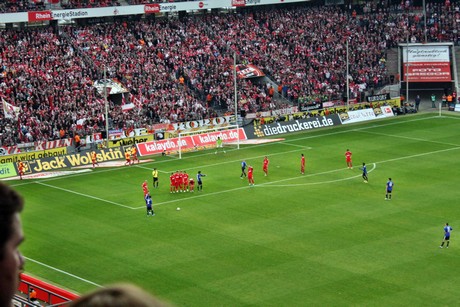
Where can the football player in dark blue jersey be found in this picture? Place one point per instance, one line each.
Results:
(389, 189)
(447, 230)
(364, 169)
(243, 169)
(148, 204)
(199, 181)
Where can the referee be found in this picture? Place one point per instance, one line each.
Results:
(155, 177)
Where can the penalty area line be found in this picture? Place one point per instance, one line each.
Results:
(85, 195)
(63, 272)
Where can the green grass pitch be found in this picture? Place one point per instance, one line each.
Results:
(320, 239)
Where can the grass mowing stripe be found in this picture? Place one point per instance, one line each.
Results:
(84, 195)
(63, 272)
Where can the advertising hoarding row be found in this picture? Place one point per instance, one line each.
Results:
(69, 161)
(47, 146)
(32, 155)
(357, 116)
(260, 131)
(190, 142)
(316, 122)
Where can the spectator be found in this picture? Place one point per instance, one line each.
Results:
(122, 295)
(11, 236)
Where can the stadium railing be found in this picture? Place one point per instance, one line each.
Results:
(50, 294)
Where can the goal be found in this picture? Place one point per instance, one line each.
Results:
(207, 139)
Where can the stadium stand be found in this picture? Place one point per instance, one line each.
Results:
(12, 6)
(179, 69)
(73, 4)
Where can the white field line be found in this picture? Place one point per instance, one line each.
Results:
(84, 195)
(63, 272)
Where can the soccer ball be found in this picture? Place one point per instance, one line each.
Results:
(178, 209)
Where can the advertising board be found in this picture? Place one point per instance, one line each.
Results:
(260, 131)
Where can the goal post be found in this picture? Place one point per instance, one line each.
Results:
(207, 138)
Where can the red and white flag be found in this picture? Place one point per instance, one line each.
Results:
(10, 111)
(125, 107)
(138, 101)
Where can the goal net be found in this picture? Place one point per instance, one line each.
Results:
(219, 139)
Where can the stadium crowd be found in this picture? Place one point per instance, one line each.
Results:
(137, 2)
(180, 69)
(15, 6)
(76, 4)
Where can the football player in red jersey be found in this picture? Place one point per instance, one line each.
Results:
(191, 184)
(185, 181)
(348, 158)
(265, 166)
(251, 175)
(171, 183)
(145, 188)
(302, 164)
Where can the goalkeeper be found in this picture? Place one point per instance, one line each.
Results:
(219, 144)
